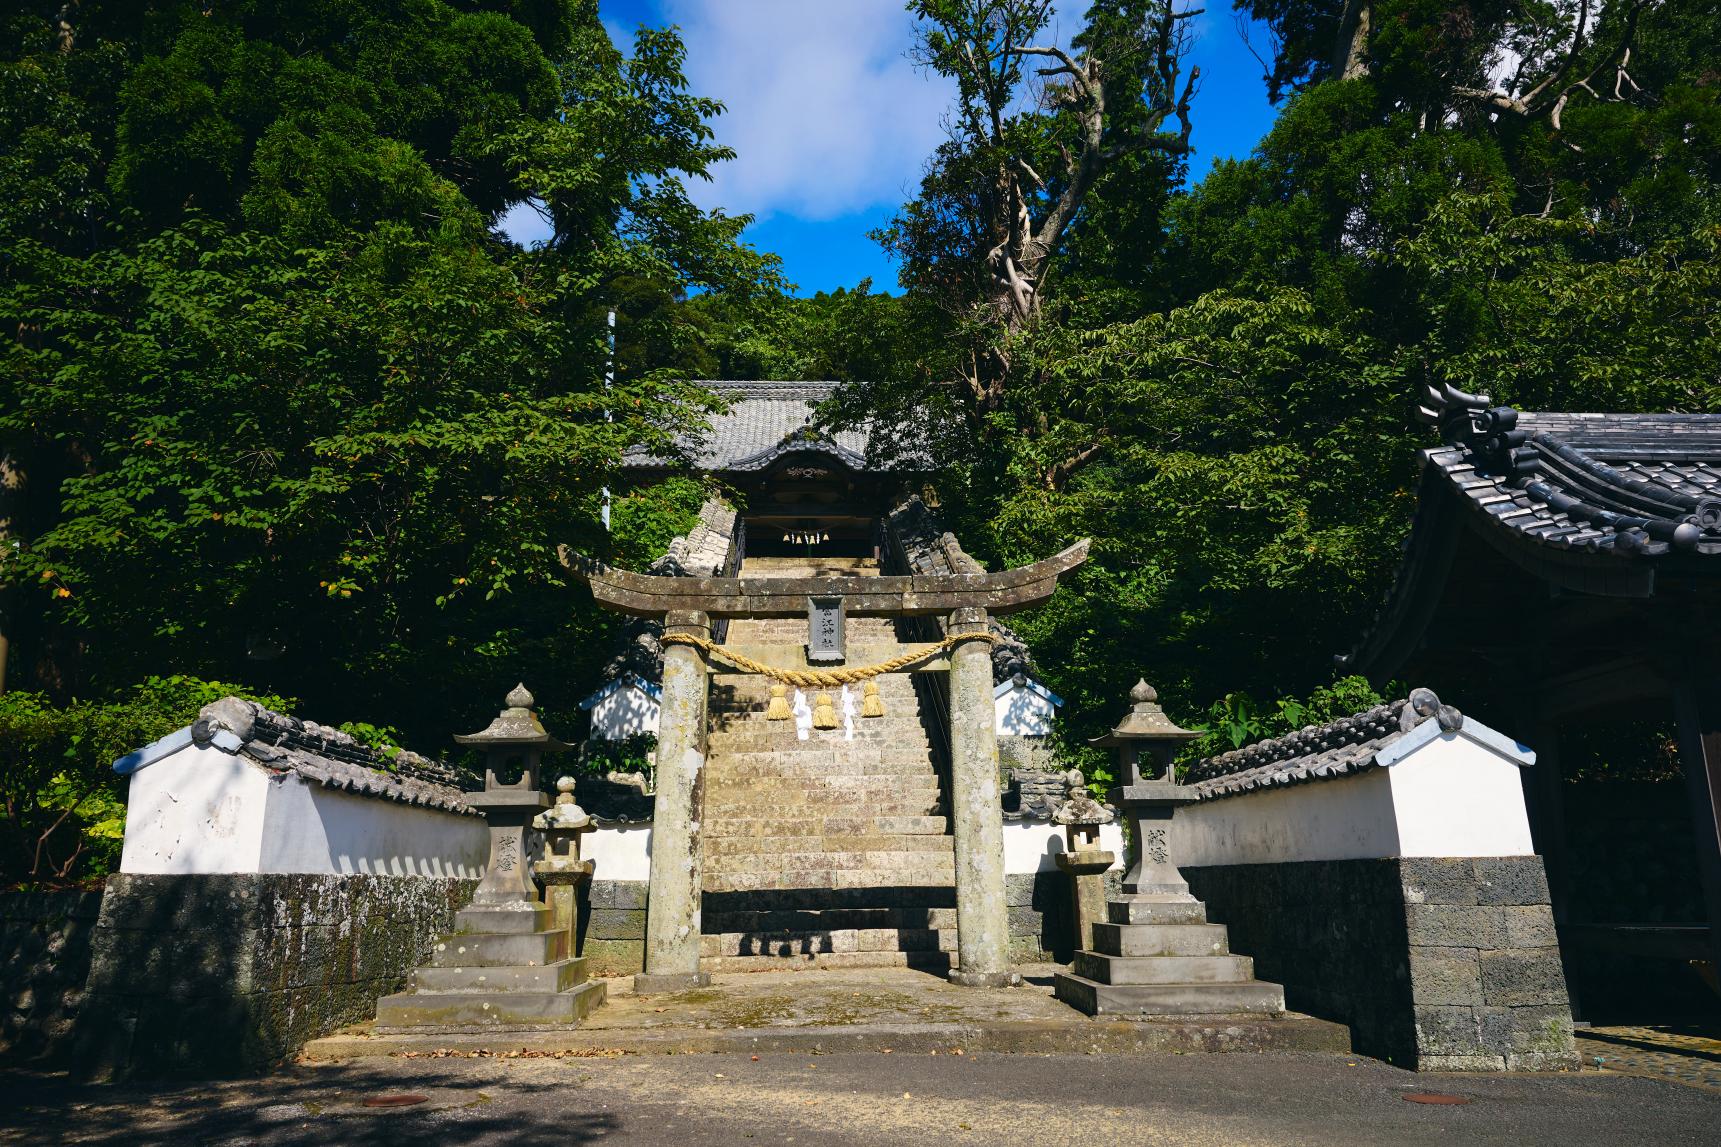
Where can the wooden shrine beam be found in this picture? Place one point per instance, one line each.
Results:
(651, 595)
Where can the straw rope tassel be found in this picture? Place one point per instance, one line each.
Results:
(872, 705)
(778, 709)
(824, 713)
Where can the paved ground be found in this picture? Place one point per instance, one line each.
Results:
(870, 1098)
(859, 1010)
(1687, 1055)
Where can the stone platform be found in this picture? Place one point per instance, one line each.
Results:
(857, 1010)
(498, 969)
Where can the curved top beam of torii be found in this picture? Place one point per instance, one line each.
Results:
(651, 595)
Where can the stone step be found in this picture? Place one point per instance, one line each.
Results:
(828, 961)
(1127, 1000)
(1105, 969)
(826, 879)
(723, 844)
(940, 864)
(558, 976)
(858, 798)
(821, 741)
(500, 949)
(788, 831)
(412, 1010)
(883, 784)
(907, 898)
(1161, 939)
(782, 920)
(478, 918)
(820, 791)
(1156, 912)
(772, 767)
(780, 945)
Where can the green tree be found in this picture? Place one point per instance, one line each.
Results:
(282, 403)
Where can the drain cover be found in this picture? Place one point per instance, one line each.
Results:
(399, 1099)
(1432, 1097)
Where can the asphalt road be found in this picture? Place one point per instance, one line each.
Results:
(855, 1099)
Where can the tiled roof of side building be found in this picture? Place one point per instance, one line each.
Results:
(765, 420)
(329, 757)
(1374, 738)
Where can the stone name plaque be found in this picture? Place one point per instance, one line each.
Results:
(825, 629)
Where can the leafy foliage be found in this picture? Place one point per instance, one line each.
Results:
(64, 805)
(283, 403)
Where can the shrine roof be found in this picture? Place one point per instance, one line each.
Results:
(1374, 738)
(329, 757)
(1584, 481)
(1595, 503)
(765, 421)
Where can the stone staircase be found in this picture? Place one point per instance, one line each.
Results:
(828, 852)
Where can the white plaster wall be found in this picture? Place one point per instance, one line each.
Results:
(1022, 713)
(618, 853)
(1455, 798)
(1348, 818)
(196, 811)
(626, 712)
(201, 811)
(309, 828)
(1029, 846)
(1450, 797)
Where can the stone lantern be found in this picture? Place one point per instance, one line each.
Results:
(514, 740)
(1156, 954)
(560, 869)
(1146, 740)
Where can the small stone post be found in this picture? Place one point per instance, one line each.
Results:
(672, 906)
(1085, 861)
(982, 920)
(560, 870)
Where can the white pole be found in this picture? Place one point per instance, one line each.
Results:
(609, 380)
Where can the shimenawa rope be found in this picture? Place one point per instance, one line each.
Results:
(823, 715)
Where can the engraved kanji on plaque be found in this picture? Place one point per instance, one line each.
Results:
(825, 629)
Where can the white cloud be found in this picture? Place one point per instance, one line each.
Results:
(825, 110)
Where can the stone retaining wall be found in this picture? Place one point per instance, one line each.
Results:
(217, 974)
(44, 960)
(1436, 964)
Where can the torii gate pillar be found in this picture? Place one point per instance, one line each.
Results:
(982, 921)
(677, 868)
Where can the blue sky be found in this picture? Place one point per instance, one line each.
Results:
(832, 123)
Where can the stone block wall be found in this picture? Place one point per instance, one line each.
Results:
(1042, 915)
(1436, 964)
(216, 974)
(44, 960)
(612, 927)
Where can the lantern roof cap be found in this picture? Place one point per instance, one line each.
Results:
(515, 725)
(1145, 721)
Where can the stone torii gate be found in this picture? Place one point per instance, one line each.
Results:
(687, 607)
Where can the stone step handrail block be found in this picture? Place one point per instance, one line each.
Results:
(464, 1010)
(1165, 969)
(1161, 940)
(1253, 998)
(557, 976)
(499, 949)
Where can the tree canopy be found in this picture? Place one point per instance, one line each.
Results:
(284, 405)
